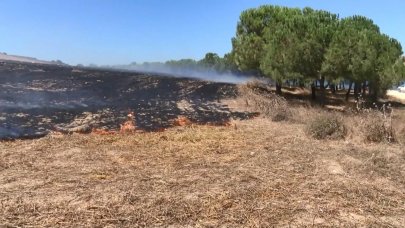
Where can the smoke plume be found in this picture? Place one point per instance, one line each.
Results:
(188, 72)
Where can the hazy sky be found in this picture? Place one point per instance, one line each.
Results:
(123, 31)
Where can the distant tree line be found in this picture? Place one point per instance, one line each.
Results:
(309, 47)
(210, 62)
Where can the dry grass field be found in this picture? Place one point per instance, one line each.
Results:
(253, 173)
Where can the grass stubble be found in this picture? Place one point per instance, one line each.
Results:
(254, 173)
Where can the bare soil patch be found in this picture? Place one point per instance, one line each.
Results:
(396, 95)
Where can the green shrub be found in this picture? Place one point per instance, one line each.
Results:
(326, 127)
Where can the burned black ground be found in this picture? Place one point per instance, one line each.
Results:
(36, 99)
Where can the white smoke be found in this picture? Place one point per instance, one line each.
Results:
(198, 73)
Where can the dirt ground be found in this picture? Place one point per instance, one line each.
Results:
(254, 173)
(399, 96)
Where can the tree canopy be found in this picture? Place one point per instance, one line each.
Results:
(310, 45)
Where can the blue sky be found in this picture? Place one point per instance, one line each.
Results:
(123, 31)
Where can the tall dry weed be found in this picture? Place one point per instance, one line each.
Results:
(376, 122)
(259, 97)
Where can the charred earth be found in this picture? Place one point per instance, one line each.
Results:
(36, 99)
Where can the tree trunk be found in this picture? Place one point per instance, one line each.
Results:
(322, 83)
(313, 90)
(364, 89)
(373, 91)
(278, 88)
(333, 88)
(348, 91)
(356, 90)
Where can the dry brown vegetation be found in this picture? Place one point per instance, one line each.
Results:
(326, 127)
(254, 173)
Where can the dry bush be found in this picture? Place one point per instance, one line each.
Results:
(398, 120)
(401, 136)
(260, 98)
(326, 126)
(375, 130)
(377, 124)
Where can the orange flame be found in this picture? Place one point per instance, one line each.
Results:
(182, 121)
(129, 125)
